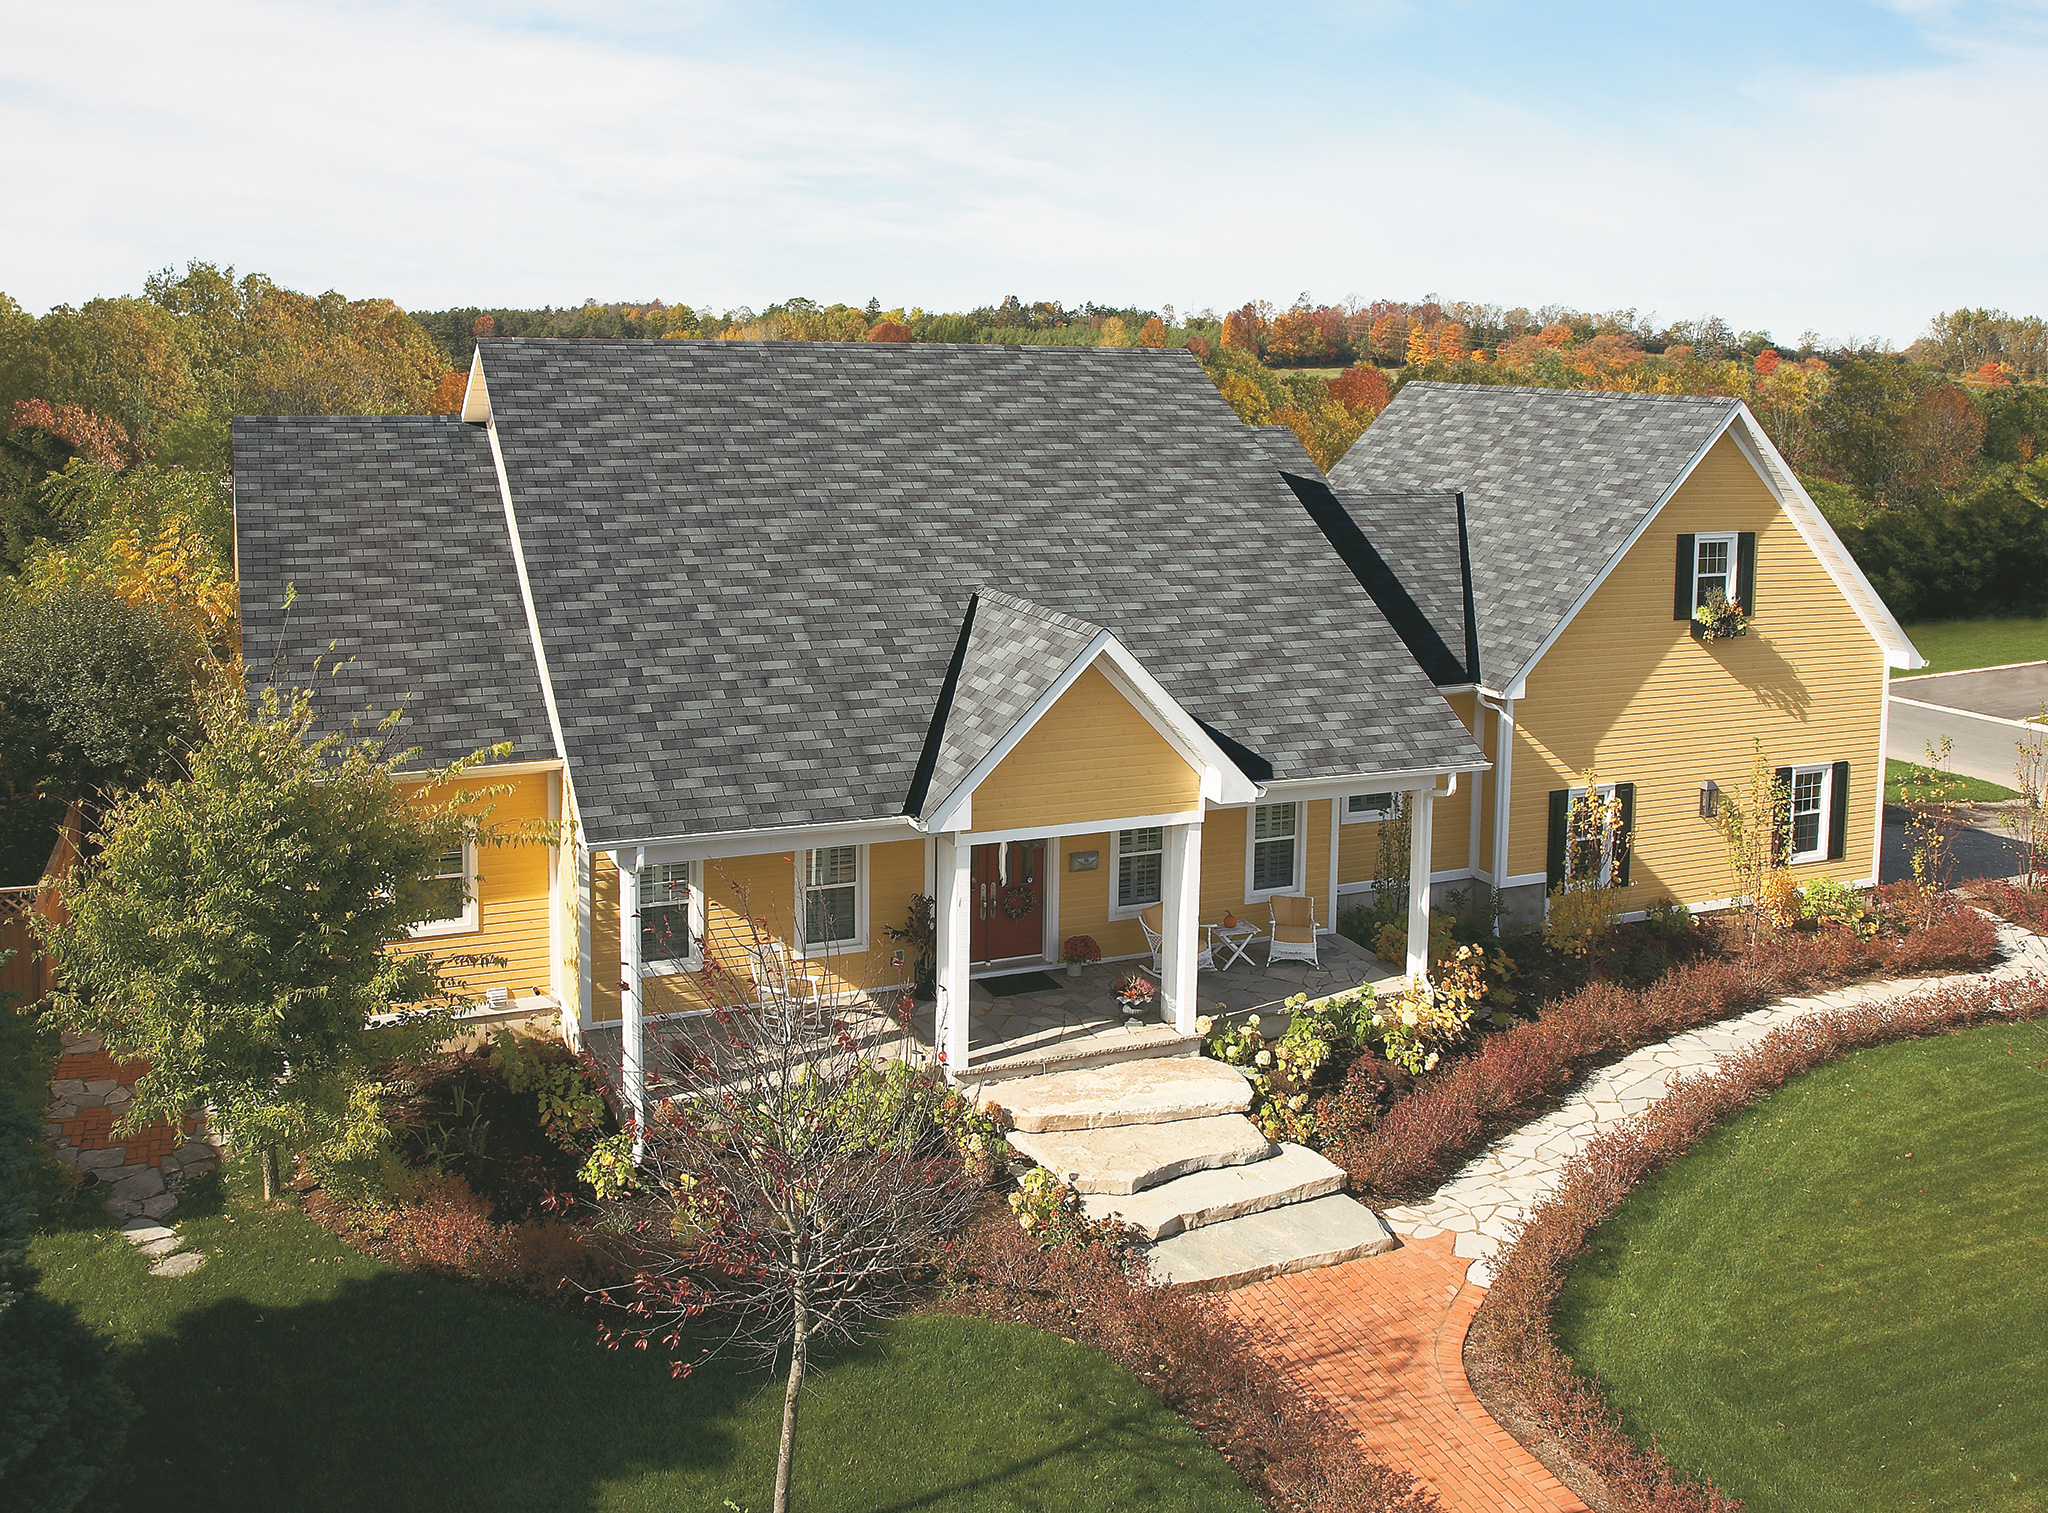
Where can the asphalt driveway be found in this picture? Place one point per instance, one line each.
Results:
(1983, 713)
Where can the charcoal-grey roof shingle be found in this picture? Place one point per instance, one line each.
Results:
(1554, 481)
(392, 531)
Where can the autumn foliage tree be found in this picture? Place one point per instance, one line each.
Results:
(1361, 389)
(1152, 333)
(888, 330)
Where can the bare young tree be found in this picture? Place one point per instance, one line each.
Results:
(2027, 821)
(798, 1171)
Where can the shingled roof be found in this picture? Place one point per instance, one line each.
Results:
(751, 564)
(1554, 481)
(391, 531)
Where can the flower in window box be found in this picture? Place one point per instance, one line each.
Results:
(1718, 620)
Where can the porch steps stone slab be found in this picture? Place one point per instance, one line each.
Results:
(1082, 1052)
(1295, 1174)
(1128, 1158)
(1158, 1090)
(1297, 1237)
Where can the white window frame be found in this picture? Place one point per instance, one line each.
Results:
(1251, 850)
(470, 920)
(1117, 908)
(1732, 540)
(859, 940)
(1367, 816)
(1606, 792)
(693, 872)
(1825, 814)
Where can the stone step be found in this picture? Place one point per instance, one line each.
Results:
(1080, 1052)
(1156, 1091)
(1295, 1174)
(1128, 1158)
(1298, 1237)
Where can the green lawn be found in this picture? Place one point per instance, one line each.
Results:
(1953, 645)
(1839, 1299)
(1906, 780)
(290, 1371)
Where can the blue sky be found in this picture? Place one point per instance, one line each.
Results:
(1841, 167)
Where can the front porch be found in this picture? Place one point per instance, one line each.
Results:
(1076, 1020)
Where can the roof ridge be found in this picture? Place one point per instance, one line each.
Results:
(1025, 606)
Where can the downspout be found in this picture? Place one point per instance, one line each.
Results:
(1503, 774)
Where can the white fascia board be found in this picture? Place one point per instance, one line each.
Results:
(1082, 827)
(476, 398)
(1413, 780)
(1222, 782)
(1518, 685)
(949, 815)
(765, 841)
(1821, 540)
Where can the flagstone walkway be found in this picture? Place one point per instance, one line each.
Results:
(1383, 1338)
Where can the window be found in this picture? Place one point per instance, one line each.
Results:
(667, 911)
(1714, 568)
(1140, 869)
(447, 900)
(1276, 849)
(832, 896)
(1811, 795)
(1362, 807)
(1586, 863)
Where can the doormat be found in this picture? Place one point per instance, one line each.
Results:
(1022, 982)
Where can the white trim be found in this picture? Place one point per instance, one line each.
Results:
(470, 920)
(773, 839)
(1374, 817)
(1884, 740)
(632, 1002)
(1528, 880)
(801, 872)
(1336, 835)
(1118, 909)
(476, 394)
(487, 770)
(1421, 827)
(1052, 864)
(954, 865)
(1733, 541)
(1357, 782)
(946, 816)
(1297, 883)
(693, 880)
(1082, 827)
(1825, 815)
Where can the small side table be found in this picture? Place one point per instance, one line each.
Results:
(1229, 943)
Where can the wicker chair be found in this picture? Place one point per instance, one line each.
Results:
(1153, 921)
(1294, 929)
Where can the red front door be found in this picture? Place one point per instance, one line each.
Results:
(1009, 901)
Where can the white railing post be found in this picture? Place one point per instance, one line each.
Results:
(1421, 810)
(633, 1048)
(954, 863)
(1180, 917)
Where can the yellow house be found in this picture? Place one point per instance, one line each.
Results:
(1543, 553)
(791, 638)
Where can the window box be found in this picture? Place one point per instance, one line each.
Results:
(1718, 620)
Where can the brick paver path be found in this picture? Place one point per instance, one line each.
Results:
(1383, 1340)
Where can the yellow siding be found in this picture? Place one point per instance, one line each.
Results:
(764, 887)
(512, 899)
(1084, 899)
(1450, 829)
(1626, 690)
(1091, 757)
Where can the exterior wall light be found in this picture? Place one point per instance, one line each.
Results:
(1710, 800)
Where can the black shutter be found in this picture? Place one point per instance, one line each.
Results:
(1681, 597)
(1560, 813)
(1784, 776)
(1625, 841)
(1838, 814)
(1745, 572)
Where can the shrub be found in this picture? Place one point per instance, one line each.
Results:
(1079, 950)
(1290, 1447)
(1515, 1360)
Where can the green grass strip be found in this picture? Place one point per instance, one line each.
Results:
(1905, 782)
(1839, 1299)
(1956, 645)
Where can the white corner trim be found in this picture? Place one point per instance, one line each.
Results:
(1821, 540)
(476, 397)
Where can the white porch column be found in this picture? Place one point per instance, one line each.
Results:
(953, 864)
(633, 1055)
(1421, 810)
(1180, 917)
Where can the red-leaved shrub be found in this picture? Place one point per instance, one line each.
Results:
(2027, 907)
(1513, 1358)
(1290, 1447)
(1448, 1117)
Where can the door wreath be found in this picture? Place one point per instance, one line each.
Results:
(1017, 901)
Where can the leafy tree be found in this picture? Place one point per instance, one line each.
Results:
(1361, 389)
(234, 927)
(1985, 553)
(1152, 333)
(2015, 424)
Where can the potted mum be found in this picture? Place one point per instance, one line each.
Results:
(1078, 952)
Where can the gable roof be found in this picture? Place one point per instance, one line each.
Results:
(750, 564)
(1555, 482)
(391, 530)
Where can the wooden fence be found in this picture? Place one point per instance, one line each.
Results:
(26, 974)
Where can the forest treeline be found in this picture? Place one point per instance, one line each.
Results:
(1932, 462)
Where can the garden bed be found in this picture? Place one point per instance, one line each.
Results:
(1517, 1364)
